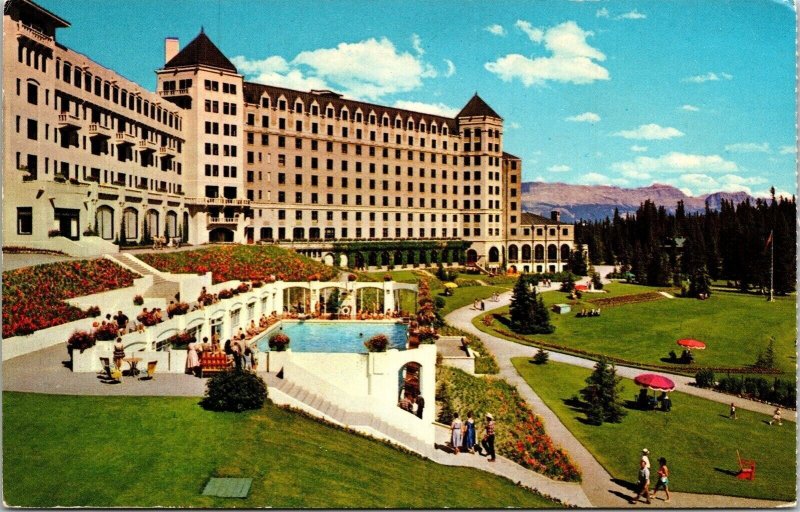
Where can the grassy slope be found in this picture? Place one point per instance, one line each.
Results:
(696, 437)
(147, 451)
(734, 326)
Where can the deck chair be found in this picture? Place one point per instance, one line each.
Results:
(151, 370)
(105, 363)
(111, 371)
(747, 468)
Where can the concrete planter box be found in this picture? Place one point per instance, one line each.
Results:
(276, 360)
(85, 362)
(177, 361)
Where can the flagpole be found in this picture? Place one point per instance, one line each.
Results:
(771, 267)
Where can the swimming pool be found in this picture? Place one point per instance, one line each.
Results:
(346, 337)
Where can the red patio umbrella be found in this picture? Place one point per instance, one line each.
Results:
(654, 382)
(692, 344)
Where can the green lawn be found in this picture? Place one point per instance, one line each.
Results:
(696, 437)
(465, 296)
(734, 326)
(151, 451)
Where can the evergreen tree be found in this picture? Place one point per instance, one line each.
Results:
(568, 284)
(766, 359)
(541, 317)
(785, 270)
(603, 393)
(659, 272)
(522, 305)
(700, 282)
(577, 261)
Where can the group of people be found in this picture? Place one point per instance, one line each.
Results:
(159, 242)
(479, 305)
(150, 317)
(643, 479)
(238, 352)
(584, 313)
(647, 402)
(463, 436)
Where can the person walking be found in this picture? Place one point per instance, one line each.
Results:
(488, 438)
(119, 353)
(645, 457)
(643, 486)
(663, 478)
(456, 433)
(733, 412)
(469, 434)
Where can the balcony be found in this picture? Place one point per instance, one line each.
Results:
(222, 220)
(98, 130)
(124, 138)
(217, 201)
(142, 185)
(67, 120)
(146, 145)
(33, 34)
(173, 93)
(166, 151)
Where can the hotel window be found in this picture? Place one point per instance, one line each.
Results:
(298, 107)
(24, 220)
(329, 198)
(298, 197)
(314, 163)
(281, 178)
(281, 123)
(281, 199)
(281, 160)
(281, 104)
(298, 161)
(298, 126)
(281, 141)
(344, 149)
(565, 231)
(298, 215)
(281, 214)
(33, 129)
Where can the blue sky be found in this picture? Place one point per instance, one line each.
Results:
(697, 94)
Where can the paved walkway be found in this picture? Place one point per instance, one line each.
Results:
(598, 485)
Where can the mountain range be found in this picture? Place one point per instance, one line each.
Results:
(596, 202)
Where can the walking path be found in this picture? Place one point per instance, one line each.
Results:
(597, 483)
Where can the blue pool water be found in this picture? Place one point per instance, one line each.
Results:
(348, 337)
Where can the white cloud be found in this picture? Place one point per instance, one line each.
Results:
(704, 184)
(635, 174)
(632, 15)
(638, 149)
(650, 131)
(495, 29)
(513, 125)
(602, 13)
(689, 108)
(534, 34)
(368, 69)
(586, 117)
(594, 178)
(572, 59)
(748, 147)
(451, 68)
(708, 77)
(675, 162)
(276, 71)
(416, 43)
(439, 109)
(559, 168)
(788, 150)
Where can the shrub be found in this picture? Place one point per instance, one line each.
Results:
(93, 311)
(107, 332)
(387, 277)
(704, 378)
(180, 340)
(243, 288)
(279, 342)
(487, 320)
(352, 277)
(138, 300)
(225, 294)
(439, 302)
(234, 391)
(541, 357)
(258, 284)
(81, 340)
(377, 343)
(179, 308)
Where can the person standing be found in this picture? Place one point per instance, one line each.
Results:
(733, 411)
(645, 457)
(483, 306)
(663, 478)
(469, 434)
(192, 359)
(644, 482)
(456, 433)
(119, 353)
(488, 438)
(420, 406)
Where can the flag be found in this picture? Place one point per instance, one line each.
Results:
(769, 241)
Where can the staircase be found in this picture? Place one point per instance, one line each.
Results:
(162, 288)
(356, 420)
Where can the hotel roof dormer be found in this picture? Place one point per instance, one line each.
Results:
(201, 52)
(41, 22)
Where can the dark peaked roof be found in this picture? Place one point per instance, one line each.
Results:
(532, 219)
(201, 52)
(509, 156)
(476, 107)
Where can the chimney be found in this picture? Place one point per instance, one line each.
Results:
(171, 48)
(555, 215)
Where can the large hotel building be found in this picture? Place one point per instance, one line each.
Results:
(93, 160)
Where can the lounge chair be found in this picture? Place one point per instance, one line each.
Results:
(111, 371)
(151, 370)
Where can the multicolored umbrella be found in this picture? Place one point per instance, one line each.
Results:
(654, 382)
(692, 344)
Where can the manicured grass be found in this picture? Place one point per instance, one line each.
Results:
(696, 437)
(465, 296)
(734, 326)
(149, 451)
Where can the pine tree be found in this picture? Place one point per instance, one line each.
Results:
(700, 283)
(577, 261)
(603, 394)
(541, 317)
(568, 284)
(521, 309)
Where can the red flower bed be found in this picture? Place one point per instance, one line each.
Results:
(627, 299)
(33, 297)
(242, 262)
